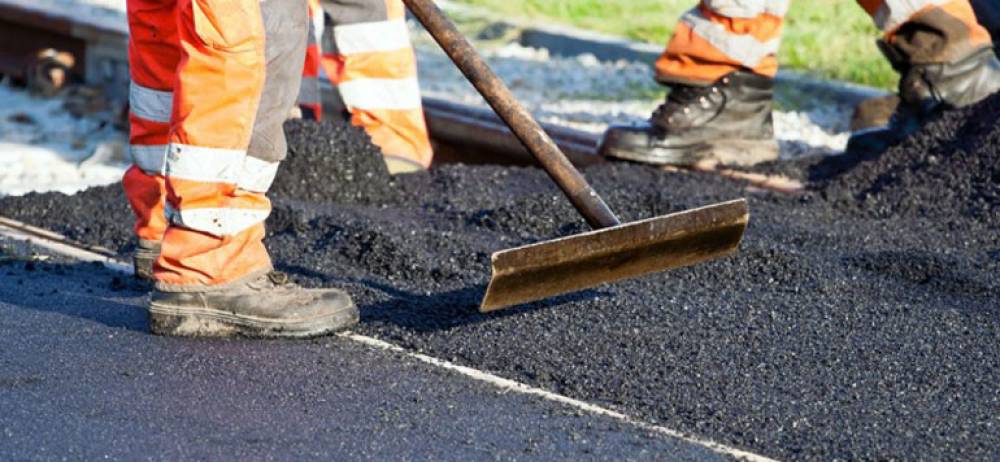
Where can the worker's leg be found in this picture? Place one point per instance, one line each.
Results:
(373, 66)
(310, 98)
(923, 35)
(720, 66)
(153, 54)
(944, 57)
(235, 85)
(722, 36)
(216, 223)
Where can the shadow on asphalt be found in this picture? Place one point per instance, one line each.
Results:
(33, 285)
(437, 311)
(831, 166)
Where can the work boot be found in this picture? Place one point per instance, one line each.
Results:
(926, 90)
(268, 305)
(728, 121)
(146, 253)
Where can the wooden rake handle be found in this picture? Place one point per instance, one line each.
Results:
(499, 97)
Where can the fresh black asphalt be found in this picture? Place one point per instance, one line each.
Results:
(82, 379)
(859, 320)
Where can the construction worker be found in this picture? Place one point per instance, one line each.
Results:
(720, 66)
(367, 55)
(212, 83)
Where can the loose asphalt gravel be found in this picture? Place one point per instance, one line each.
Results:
(858, 321)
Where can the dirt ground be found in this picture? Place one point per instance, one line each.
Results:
(858, 320)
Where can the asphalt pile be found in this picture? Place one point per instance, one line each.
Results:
(841, 329)
(949, 170)
(349, 170)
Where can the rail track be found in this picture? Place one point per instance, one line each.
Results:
(33, 33)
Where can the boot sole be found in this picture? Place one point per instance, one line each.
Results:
(206, 322)
(725, 151)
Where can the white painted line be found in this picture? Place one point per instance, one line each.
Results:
(475, 374)
(518, 387)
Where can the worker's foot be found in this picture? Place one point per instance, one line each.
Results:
(146, 253)
(267, 306)
(728, 122)
(927, 90)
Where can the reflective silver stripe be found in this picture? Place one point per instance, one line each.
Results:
(744, 49)
(381, 93)
(893, 13)
(257, 174)
(209, 165)
(215, 165)
(367, 37)
(218, 221)
(148, 158)
(747, 8)
(150, 104)
(309, 92)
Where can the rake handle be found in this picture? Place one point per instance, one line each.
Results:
(520, 121)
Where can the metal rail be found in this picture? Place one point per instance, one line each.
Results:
(476, 135)
(17, 229)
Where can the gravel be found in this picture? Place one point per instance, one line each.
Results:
(350, 171)
(949, 172)
(838, 331)
(919, 178)
(588, 94)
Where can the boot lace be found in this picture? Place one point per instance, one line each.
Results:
(680, 99)
(279, 278)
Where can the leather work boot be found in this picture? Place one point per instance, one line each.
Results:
(146, 253)
(268, 305)
(728, 121)
(925, 91)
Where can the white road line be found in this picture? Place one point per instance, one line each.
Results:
(475, 374)
(518, 387)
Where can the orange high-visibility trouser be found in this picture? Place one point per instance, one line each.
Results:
(368, 57)
(721, 36)
(208, 97)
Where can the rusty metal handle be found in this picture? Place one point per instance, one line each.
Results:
(461, 52)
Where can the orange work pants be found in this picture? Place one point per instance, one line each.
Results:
(721, 36)
(367, 55)
(212, 82)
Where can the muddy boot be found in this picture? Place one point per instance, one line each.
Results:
(925, 91)
(728, 121)
(266, 306)
(146, 253)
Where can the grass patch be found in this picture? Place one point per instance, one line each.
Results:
(827, 38)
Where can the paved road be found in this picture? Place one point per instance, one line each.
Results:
(80, 378)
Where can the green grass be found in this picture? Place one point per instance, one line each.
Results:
(827, 38)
